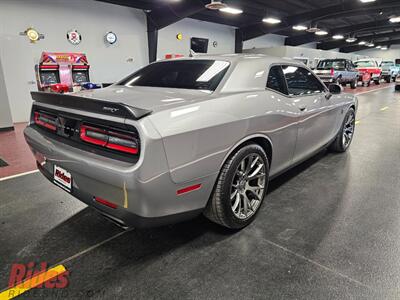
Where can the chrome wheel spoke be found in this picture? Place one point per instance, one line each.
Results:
(233, 195)
(256, 176)
(256, 171)
(253, 190)
(235, 205)
(249, 164)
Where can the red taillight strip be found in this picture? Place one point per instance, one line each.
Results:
(107, 144)
(39, 122)
(89, 139)
(105, 202)
(188, 189)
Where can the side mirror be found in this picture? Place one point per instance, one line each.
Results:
(335, 88)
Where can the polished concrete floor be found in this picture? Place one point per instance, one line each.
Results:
(329, 229)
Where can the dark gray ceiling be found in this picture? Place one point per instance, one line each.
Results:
(347, 17)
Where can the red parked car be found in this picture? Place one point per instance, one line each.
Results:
(368, 68)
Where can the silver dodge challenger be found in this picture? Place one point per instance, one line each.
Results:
(188, 136)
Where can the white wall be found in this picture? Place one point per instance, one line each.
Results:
(5, 113)
(268, 40)
(54, 18)
(290, 52)
(392, 53)
(169, 44)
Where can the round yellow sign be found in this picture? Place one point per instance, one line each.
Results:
(32, 34)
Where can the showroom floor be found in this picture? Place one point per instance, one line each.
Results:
(330, 228)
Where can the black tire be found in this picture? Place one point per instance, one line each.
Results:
(397, 88)
(377, 81)
(388, 79)
(338, 144)
(219, 207)
(353, 84)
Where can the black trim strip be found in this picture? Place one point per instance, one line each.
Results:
(91, 105)
(7, 128)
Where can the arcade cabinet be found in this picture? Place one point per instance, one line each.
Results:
(62, 72)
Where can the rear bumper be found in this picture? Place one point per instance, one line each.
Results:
(144, 193)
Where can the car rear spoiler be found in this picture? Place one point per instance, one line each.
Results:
(91, 105)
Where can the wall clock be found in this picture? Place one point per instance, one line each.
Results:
(110, 38)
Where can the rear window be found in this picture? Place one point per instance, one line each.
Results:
(367, 63)
(331, 64)
(387, 64)
(198, 74)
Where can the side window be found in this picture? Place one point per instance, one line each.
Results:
(300, 81)
(276, 81)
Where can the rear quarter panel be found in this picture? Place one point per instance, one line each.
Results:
(198, 138)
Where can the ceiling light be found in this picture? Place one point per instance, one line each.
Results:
(271, 20)
(384, 48)
(367, 1)
(351, 40)
(231, 10)
(299, 27)
(338, 37)
(362, 43)
(370, 45)
(321, 32)
(378, 47)
(394, 19)
(215, 4)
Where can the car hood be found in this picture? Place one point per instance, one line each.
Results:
(150, 98)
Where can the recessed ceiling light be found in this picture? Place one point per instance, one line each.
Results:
(299, 27)
(338, 37)
(367, 1)
(362, 43)
(378, 47)
(231, 10)
(321, 32)
(271, 20)
(351, 40)
(394, 19)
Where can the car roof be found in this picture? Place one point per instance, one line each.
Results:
(234, 58)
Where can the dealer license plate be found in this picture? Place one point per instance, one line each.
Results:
(62, 178)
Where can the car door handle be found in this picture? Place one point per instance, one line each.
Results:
(302, 108)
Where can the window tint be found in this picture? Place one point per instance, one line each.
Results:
(198, 74)
(276, 81)
(331, 64)
(301, 81)
(365, 64)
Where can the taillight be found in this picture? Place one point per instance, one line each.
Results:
(109, 139)
(332, 72)
(45, 120)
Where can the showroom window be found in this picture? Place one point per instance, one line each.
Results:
(300, 81)
(180, 74)
(276, 80)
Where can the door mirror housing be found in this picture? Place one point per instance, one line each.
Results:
(334, 88)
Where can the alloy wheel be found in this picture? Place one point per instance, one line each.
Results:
(248, 185)
(348, 130)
